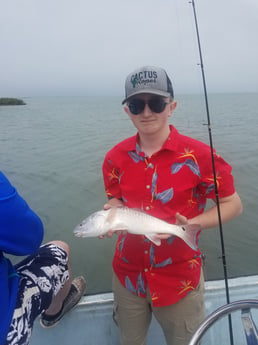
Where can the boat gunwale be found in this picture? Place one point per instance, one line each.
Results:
(211, 286)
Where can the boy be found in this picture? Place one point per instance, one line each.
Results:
(169, 176)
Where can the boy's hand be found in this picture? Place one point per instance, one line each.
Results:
(180, 220)
(113, 203)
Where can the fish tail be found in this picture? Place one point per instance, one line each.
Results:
(191, 235)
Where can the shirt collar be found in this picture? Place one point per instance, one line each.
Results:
(170, 144)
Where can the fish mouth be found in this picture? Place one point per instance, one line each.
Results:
(78, 233)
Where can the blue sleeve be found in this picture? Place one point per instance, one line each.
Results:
(21, 230)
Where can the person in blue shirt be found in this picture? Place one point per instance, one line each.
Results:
(41, 284)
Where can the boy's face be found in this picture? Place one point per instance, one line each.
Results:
(149, 113)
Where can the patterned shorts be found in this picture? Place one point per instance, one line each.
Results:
(42, 275)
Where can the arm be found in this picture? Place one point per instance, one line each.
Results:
(21, 230)
(112, 188)
(230, 204)
(230, 207)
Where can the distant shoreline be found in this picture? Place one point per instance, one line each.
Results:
(11, 101)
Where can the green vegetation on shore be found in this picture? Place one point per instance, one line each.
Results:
(11, 101)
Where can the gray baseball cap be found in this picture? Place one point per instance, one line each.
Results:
(148, 79)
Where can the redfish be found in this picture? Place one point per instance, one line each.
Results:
(135, 222)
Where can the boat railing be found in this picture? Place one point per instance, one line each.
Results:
(249, 327)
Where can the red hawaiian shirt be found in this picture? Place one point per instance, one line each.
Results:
(178, 178)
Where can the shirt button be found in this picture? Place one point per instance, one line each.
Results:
(148, 186)
(145, 269)
(146, 252)
(147, 208)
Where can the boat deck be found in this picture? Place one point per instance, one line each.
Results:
(90, 322)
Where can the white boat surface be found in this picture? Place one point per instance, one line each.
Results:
(91, 323)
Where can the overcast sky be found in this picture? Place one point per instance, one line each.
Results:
(83, 47)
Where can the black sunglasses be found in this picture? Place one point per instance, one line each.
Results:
(137, 105)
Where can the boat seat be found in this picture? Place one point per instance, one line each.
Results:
(249, 326)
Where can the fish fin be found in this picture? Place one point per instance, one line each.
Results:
(191, 235)
(153, 239)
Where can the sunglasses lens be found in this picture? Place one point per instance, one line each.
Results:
(136, 106)
(157, 105)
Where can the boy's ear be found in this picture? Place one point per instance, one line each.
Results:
(172, 106)
(126, 109)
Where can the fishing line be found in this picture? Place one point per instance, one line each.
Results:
(214, 170)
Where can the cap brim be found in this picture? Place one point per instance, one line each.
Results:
(150, 91)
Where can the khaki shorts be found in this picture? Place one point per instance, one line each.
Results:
(178, 321)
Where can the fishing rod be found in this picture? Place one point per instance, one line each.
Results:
(214, 171)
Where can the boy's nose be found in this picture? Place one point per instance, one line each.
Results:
(146, 111)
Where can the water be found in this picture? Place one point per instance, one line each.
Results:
(52, 150)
